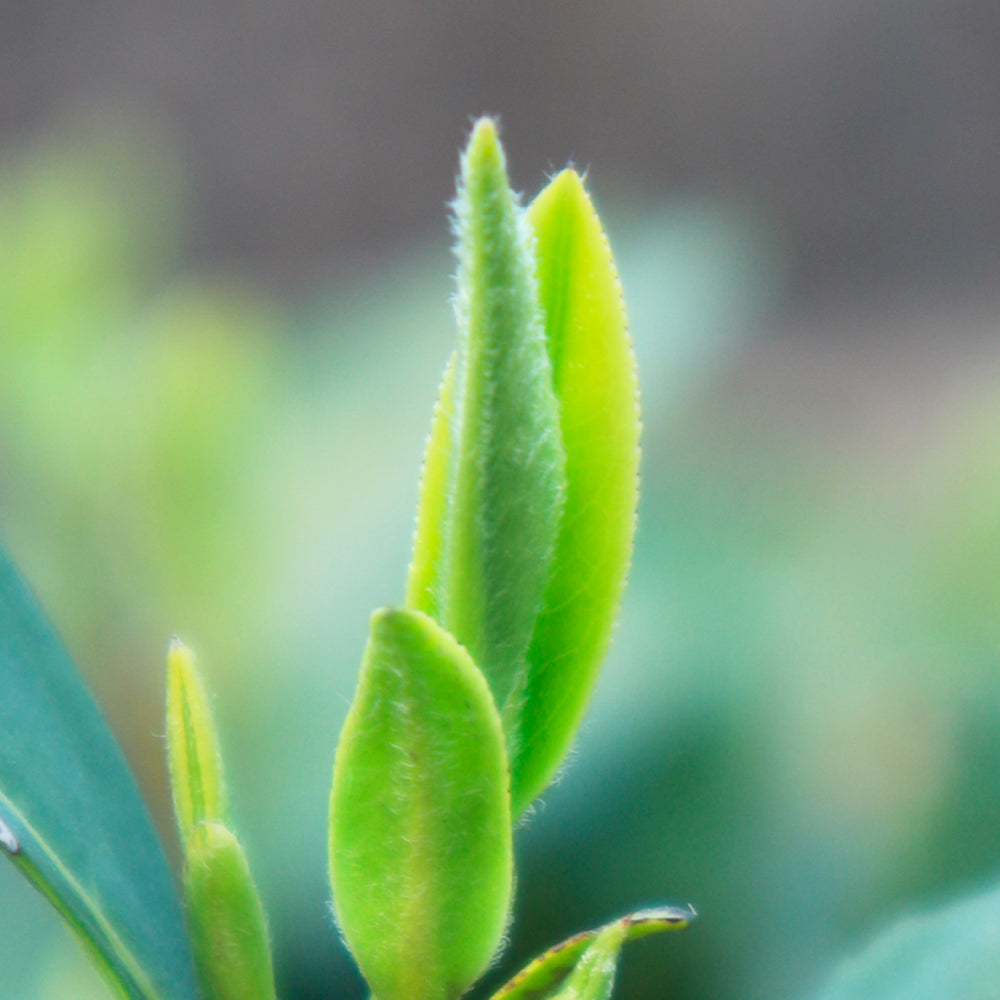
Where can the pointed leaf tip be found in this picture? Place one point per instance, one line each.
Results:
(494, 472)
(193, 755)
(484, 145)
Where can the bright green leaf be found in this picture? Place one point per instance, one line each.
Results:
(420, 839)
(228, 928)
(67, 798)
(192, 745)
(494, 483)
(553, 969)
(593, 371)
(949, 954)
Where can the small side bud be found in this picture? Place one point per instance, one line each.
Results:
(228, 927)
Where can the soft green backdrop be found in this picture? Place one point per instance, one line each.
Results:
(798, 728)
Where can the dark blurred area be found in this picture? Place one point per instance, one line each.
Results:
(224, 309)
(320, 134)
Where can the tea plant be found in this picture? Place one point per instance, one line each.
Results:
(470, 693)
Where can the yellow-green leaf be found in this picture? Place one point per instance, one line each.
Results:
(423, 584)
(420, 839)
(228, 927)
(593, 372)
(192, 745)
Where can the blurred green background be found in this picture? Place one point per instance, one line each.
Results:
(224, 309)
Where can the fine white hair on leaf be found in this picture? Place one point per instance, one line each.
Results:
(8, 840)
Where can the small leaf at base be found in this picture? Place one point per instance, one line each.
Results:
(547, 973)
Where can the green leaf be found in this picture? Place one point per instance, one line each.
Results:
(193, 755)
(420, 839)
(553, 969)
(228, 927)
(67, 798)
(593, 372)
(593, 977)
(950, 954)
(423, 586)
(494, 474)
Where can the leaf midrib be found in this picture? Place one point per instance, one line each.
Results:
(137, 983)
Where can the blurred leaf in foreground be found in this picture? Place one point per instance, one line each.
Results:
(73, 819)
(950, 954)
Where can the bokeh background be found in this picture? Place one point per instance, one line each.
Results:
(224, 284)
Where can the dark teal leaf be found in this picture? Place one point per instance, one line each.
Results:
(84, 835)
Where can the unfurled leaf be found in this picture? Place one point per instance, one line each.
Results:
(593, 372)
(494, 473)
(420, 839)
(552, 971)
(949, 954)
(72, 810)
(192, 745)
(228, 927)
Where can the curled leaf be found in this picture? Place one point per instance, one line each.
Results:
(193, 755)
(225, 916)
(494, 473)
(553, 969)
